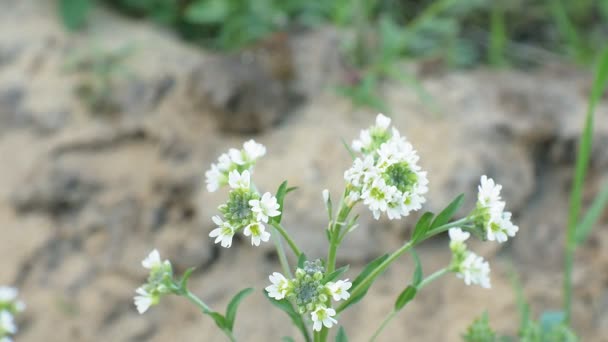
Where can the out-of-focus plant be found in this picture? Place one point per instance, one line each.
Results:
(99, 70)
(556, 325)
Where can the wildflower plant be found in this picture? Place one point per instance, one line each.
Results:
(10, 307)
(387, 179)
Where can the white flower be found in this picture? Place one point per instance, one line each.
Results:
(238, 180)
(143, 300)
(215, 178)
(223, 233)
(8, 294)
(501, 228)
(377, 196)
(253, 150)
(474, 270)
(224, 163)
(339, 289)
(279, 287)
(325, 194)
(7, 322)
(152, 260)
(382, 121)
(361, 171)
(258, 233)
(458, 235)
(265, 207)
(489, 192)
(322, 316)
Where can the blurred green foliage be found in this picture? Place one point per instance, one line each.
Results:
(454, 33)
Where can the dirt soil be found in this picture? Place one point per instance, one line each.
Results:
(86, 194)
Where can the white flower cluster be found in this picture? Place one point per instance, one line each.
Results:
(386, 177)
(240, 160)
(309, 294)
(159, 282)
(10, 306)
(469, 266)
(490, 216)
(245, 209)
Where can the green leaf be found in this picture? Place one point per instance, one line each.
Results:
(335, 274)
(74, 13)
(423, 225)
(220, 320)
(341, 335)
(407, 295)
(183, 283)
(549, 320)
(233, 305)
(446, 214)
(592, 216)
(350, 151)
(417, 278)
(369, 269)
(287, 307)
(301, 259)
(287, 339)
(281, 192)
(208, 12)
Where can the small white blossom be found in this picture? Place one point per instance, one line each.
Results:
(361, 172)
(458, 235)
(143, 300)
(7, 322)
(238, 180)
(253, 150)
(489, 192)
(152, 260)
(223, 233)
(8, 294)
(475, 270)
(279, 286)
(382, 121)
(325, 194)
(258, 233)
(265, 207)
(339, 289)
(323, 316)
(214, 178)
(378, 196)
(502, 228)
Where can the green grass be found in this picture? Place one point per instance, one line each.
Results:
(577, 230)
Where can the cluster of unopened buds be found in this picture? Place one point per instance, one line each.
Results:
(10, 306)
(385, 177)
(311, 291)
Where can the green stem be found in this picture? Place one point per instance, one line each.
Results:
(393, 313)
(281, 253)
(287, 238)
(365, 283)
(335, 229)
(205, 309)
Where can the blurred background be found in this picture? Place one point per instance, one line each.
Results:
(111, 111)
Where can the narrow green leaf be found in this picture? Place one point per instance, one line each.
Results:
(592, 216)
(301, 259)
(341, 335)
(207, 11)
(233, 306)
(287, 307)
(350, 151)
(423, 225)
(74, 13)
(281, 192)
(368, 269)
(417, 278)
(335, 274)
(183, 283)
(407, 295)
(220, 320)
(446, 214)
(287, 339)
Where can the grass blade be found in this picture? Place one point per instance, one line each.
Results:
(592, 216)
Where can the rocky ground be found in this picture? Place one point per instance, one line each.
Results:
(90, 184)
